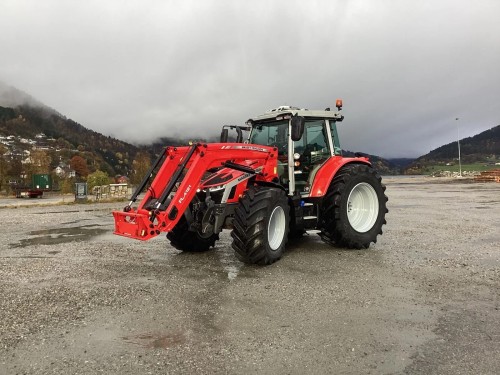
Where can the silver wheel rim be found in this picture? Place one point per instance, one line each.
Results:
(276, 228)
(362, 207)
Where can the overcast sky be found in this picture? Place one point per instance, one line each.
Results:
(137, 70)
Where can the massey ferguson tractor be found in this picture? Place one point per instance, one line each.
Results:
(287, 177)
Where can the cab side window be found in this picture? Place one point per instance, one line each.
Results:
(315, 147)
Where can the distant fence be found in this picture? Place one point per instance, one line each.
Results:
(112, 191)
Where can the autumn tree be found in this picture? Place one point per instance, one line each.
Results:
(15, 168)
(98, 178)
(79, 165)
(140, 166)
(55, 159)
(68, 185)
(40, 161)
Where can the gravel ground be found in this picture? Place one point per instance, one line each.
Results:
(76, 299)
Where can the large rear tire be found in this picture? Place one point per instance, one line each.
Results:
(194, 242)
(261, 225)
(354, 208)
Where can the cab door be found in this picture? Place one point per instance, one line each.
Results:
(313, 149)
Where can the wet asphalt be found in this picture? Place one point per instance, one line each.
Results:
(424, 300)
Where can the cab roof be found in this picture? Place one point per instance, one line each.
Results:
(284, 112)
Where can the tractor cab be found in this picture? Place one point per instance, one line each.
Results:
(305, 140)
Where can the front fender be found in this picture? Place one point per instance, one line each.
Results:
(327, 172)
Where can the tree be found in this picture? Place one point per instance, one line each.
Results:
(3, 165)
(55, 159)
(140, 166)
(108, 169)
(98, 178)
(15, 168)
(79, 164)
(68, 186)
(40, 161)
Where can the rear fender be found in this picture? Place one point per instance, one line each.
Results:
(327, 172)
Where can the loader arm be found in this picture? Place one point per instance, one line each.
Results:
(179, 177)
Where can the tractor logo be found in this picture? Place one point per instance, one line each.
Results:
(185, 193)
(243, 177)
(252, 148)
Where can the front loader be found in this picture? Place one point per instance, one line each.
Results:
(287, 177)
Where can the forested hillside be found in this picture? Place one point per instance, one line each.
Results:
(67, 137)
(472, 148)
(481, 148)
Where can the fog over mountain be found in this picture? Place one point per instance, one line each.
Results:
(12, 97)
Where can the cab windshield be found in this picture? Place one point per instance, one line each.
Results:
(273, 134)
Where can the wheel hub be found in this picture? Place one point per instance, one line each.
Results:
(362, 207)
(276, 228)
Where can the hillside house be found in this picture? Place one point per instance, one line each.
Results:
(121, 179)
(62, 170)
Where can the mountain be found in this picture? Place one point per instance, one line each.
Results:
(400, 163)
(482, 147)
(32, 123)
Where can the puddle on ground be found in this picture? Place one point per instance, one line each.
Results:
(231, 265)
(60, 235)
(155, 340)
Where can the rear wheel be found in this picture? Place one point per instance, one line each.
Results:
(195, 242)
(354, 208)
(261, 225)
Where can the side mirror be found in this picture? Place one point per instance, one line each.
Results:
(298, 123)
(224, 135)
(239, 137)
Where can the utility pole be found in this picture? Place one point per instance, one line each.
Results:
(458, 142)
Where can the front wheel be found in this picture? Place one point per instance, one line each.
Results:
(193, 242)
(261, 225)
(354, 208)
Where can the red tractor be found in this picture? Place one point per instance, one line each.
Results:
(287, 177)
